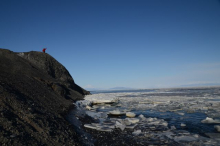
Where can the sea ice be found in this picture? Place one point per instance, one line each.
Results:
(132, 126)
(184, 138)
(137, 132)
(133, 120)
(90, 126)
(154, 122)
(108, 122)
(116, 113)
(173, 128)
(103, 101)
(215, 136)
(149, 101)
(94, 114)
(183, 125)
(182, 132)
(182, 114)
(164, 123)
(126, 122)
(150, 119)
(88, 107)
(120, 125)
(210, 121)
(141, 116)
(130, 114)
(217, 127)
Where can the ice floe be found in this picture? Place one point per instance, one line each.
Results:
(217, 127)
(183, 125)
(210, 121)
(133, 120)
(136, 132)
(88, 107)
(116, 113)
(125, 104)
(103, 101)
(130, 114)
(184, 138)
(120, 125)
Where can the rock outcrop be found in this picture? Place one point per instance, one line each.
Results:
(35, 92)
(64, 83)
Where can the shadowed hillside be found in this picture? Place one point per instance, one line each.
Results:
(35, 91)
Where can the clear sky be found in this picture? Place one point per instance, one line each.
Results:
(120, 43)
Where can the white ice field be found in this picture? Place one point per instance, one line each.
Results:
(186, 116)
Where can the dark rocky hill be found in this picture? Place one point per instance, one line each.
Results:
(35, 92)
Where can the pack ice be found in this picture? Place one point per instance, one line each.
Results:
(118, 111)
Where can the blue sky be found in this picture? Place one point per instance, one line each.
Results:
(120, 43)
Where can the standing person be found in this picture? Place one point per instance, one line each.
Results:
(44, 49)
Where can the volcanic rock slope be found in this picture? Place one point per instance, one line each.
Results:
(35, 92)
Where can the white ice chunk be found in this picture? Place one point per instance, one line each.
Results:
(116, 113)
(141, 116)
(183, 132)
(133, 120)
(183, 125)
(184, 138)
(110, 126)
(105, 129)
(96, 124)
(210, 120)
(90, 126)
(130, 114)
(196, 135)
(164, 123)
(217, 127)
(131, 126)
(100, 127)
(172, 127)
(103, 101)
(154, 123)
(94, 114)
(88, 107)
(205, 108)
(137, 132)
(82, 103)
(182, 114)
(168, 134)
(150, 119)
(119, 125)
(126, 122)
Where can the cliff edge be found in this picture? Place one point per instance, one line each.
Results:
(35, 91)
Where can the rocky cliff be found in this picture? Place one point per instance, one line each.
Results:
(35, 92)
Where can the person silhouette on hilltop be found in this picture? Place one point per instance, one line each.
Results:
(44, 49)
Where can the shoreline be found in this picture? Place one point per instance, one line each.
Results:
(90, 137)
(150, 130)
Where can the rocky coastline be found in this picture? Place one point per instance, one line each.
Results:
(36, 92)
(40, 104)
